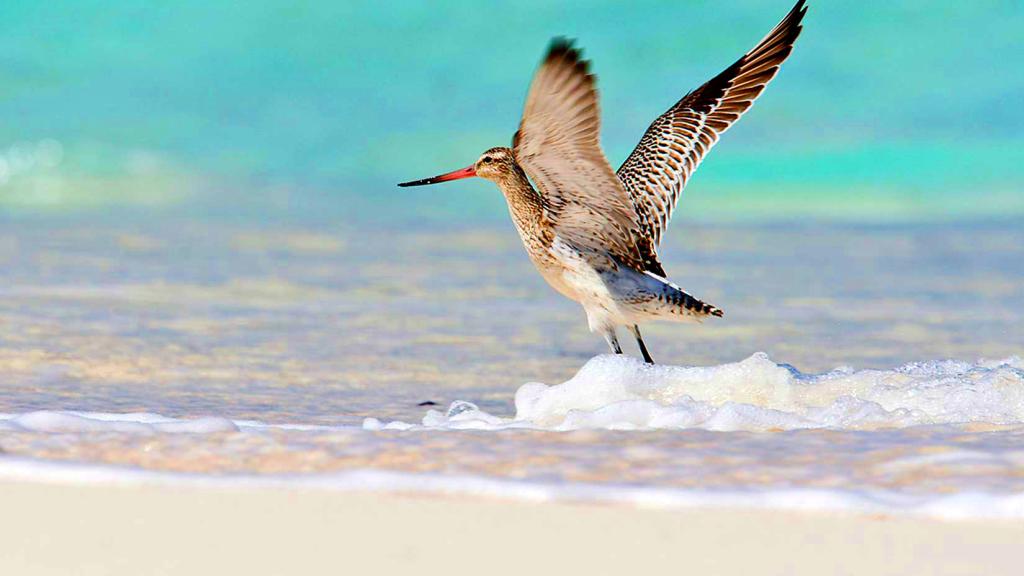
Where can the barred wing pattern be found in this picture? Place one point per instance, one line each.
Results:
(558, 146)
(673, 146)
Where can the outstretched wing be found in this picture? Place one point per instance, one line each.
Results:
(673, 146)
(558, 145)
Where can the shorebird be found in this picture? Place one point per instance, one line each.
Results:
(592, 233)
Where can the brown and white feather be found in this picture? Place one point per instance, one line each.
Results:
(658, 169)
(558, 146)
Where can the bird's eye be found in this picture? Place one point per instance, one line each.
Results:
(486, 159)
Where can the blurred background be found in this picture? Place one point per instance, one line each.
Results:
(312, 110)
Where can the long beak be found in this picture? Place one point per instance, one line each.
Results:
(464, 173)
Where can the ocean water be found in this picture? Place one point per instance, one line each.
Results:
(209, 276)
(858, 367)
(885, 111)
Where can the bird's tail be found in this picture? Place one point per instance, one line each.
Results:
(670, 302)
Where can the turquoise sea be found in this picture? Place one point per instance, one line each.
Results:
(902, 111)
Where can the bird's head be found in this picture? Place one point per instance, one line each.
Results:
(494, 165)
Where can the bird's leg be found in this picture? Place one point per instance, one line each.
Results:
(643, 349)
(613, 341)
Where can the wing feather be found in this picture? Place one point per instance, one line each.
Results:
(653, 174)
(558, 146)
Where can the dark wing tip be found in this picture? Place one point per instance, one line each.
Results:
(564, 50)
(776, 46)
(798, 10)
(792, 23)
(787, 30)
(771, 51)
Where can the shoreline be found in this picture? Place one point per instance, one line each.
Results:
(164, 529)
(967, 506)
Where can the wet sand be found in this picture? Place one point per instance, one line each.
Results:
(87, 530)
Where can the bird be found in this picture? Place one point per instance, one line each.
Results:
(591, 232)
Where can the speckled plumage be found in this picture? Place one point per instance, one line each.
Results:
(593, 233)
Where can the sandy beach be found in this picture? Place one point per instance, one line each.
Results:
(86, 530)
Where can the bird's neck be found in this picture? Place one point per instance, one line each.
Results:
(525, 204)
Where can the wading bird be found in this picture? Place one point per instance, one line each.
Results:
(592, 233)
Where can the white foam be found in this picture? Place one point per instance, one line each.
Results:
(959, 506)
(132, 423)
(947, 471)
(756, 394)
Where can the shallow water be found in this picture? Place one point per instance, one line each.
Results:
(301, 343)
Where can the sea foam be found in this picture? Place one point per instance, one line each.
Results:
(943, 439)
(130, 423)
(755, 394)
